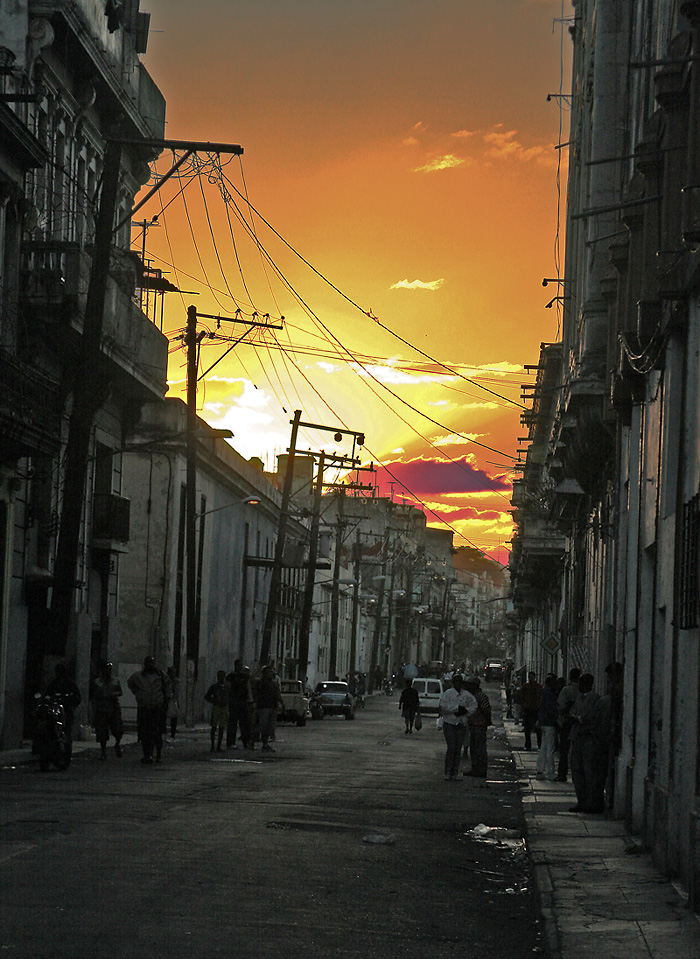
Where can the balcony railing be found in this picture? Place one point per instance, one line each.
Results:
(49, 272)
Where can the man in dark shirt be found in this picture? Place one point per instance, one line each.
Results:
(240, 699)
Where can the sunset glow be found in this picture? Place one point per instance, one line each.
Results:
(401, 159)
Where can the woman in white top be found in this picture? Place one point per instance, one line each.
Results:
(456, 706)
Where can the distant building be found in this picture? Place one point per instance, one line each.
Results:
(235, 532)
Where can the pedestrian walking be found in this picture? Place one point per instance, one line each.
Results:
(217, 695)
(267, 700)
(479, 722)
(590, 746)
(107, 713)
(547, 720)
(456, 705)
(151, 688)
(530, 704)
(409, 704)
(567, 698)
(240, 700)
(173, 708)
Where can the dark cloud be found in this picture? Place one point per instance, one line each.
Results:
(430, 478)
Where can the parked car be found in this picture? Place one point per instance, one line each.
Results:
(429, 693)
(296, 702)
(336, 699)
(494, 670)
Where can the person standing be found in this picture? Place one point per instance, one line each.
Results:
(409, 704)
(590, 743)
(240, 699)
(217, 695)
(151, 689)
(456, 705)
(567, 698)
(106, 691)
(530, 703)
(479, 722)
(268, 699)
(547, 719)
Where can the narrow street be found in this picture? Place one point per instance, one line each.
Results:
(345, 842)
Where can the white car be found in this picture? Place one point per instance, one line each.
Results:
(429, 693)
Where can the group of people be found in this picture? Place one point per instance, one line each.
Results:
(237, 704)
(464, 709)
(575, 720)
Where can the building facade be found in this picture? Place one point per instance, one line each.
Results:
(71, 81)
(612, 474)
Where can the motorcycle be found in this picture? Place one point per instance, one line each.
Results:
(51, 740)
(315, 707)
(388, 687)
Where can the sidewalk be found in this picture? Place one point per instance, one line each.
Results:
(599, 893)
(18, 757)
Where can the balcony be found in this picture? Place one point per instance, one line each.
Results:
(110, 523)
(54, 280)
(49, 274)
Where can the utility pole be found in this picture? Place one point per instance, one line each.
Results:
(91, 381)
(193, 340)
(374, 659)
(275, 579)
(307, 608)
(335, 589)
(355, 602)
(390, 609)
(90, 388)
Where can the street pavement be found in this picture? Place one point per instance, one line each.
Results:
(345, 842)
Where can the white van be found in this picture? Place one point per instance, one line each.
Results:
(429, 693)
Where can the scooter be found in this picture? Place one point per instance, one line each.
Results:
(51, 740)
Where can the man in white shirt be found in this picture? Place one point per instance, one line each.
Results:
(456, 706)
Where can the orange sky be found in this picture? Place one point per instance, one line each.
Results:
(405, 149)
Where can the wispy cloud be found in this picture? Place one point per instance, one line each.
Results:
(410, 142)
(463, 134)
(418, 284)
(446, 162)
(502, 145)
(398, 377)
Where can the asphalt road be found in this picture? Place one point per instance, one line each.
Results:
(346, 842)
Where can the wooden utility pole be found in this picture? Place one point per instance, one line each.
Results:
(275, 579)
(355, 601)
(91, 381)
(374, 659)
(191, 620)
(193, 340)
(335, 590)
(90, 387)
(307, 608)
